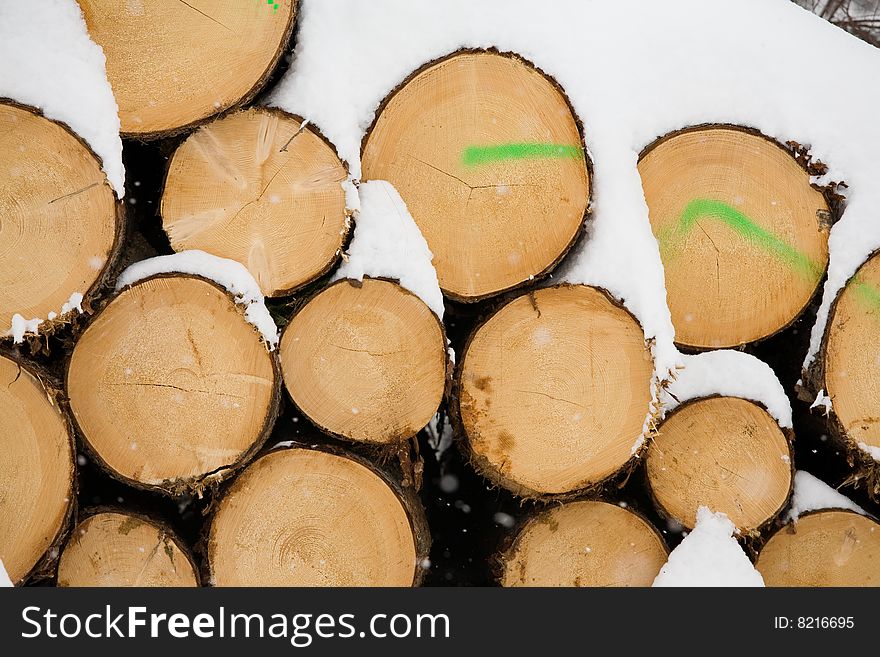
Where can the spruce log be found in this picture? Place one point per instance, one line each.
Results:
(736, 212)
(487, 154)
(113, 548)
(261, 188)
(725, 453)
(308, 517)
(60, 223)
(365, 361)
(170, 386)
(554, 390)
(834, 547)
(175, 64)
(846, 369)
(37, 480)
(585, 543)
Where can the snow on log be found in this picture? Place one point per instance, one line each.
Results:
(823, 548)
(37, 480)
(113, 548)
(737, 212)
(812, 494)
(304, 517)
(584, 543)
(488, 156)
(263, 188)
(553, 391)
(845, 376)
(60, 219)
(365, 361)
(709, 556)
(724, 453)
(170, 386)
(173, 65)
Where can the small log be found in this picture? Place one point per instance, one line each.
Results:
(170, 386)
(743, 234)
(365, 361)
(121, 549)
(585, 543)
(833, 547)
(554, 390)
(37, 473)
(487, 154)
(60, 223)
(262, 188)
(308, 517)
(725, 453)
(173, 65)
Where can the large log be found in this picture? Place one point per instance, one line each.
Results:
(37, 472)
(833, 547)
(554, 391)
(365, 361)
(846, 371)
(488, 156)
(309, 517)
(170, 387)
(585, 543)
(114, 548)
(743, 234)
(725, 453)
(260, 187)
(60, 223)
(174, 64)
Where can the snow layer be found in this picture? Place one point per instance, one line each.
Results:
(48, 61)
(231, 275)
(387, 242)
(4, 577)
(709, 556)
(730, 373)
(22, 326)
(812, 494)
(630, 70)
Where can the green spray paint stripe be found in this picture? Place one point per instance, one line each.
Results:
(476, 155)
(868, 293)
(741, 225)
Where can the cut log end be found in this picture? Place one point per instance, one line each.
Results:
(824, 548)
(36, 470)
(487, 154)
(119, 549)
(365, 361)
(260, 188)
(725, 453)
(169, 384)
(737, 212)
(300, 517)
(851, 369)
(585, 543)
(163, 84)
(554, 390)
(58, 215)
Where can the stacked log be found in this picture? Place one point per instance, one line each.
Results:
(62, 224)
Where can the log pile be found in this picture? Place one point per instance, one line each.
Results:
(165, 403)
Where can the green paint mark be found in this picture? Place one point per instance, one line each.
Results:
(476, 155)
(868, 293)
(741, 225)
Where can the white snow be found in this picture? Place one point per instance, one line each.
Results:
(709, 556)
(21, 326)
(4, 576)
(387, 242)
(812, 494)
(231, 275)
(48, 61)
(822, 400)
(439, 435)
(633, 71)
(872, 450)
(729, 373)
